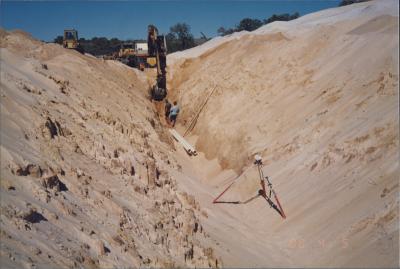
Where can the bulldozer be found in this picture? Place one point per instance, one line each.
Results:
(126, 53)
(157, 55)
(127, 49)
(134, 54)
(70, 40)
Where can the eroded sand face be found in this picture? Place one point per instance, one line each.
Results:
(85, 167)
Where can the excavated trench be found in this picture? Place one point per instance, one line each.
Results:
(88, 165)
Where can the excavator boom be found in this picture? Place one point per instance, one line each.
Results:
(157, 50)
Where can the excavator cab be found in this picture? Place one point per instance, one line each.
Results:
(70, 40)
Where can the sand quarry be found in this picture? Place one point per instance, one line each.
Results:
(91, 178)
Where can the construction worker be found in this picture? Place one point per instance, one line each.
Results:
(174, 113)
(167, 109)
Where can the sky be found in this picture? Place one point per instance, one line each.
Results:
(129, 19)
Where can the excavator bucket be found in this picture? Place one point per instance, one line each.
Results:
(152, 61)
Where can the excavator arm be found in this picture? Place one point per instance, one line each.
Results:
(157, 49)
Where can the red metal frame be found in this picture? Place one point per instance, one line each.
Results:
(262, 192)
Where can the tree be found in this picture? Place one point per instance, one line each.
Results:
(294, 16)
(172, 42)
(59, 39)
(179, 37)
(222, 31)
(248, 24)
(282, 17)
(349, 2)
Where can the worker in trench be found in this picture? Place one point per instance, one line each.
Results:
(167, 109)
(173, 114)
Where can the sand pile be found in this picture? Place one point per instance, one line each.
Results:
(317, 97)
(85, 167)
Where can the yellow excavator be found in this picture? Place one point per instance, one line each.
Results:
(157, 54)
(70, 40)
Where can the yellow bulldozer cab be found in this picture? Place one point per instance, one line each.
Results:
(70, 39)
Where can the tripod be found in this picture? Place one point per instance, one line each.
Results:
(262, 192)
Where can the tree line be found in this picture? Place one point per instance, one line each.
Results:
(249, 24)
(349, 2)
(180, 37)
(97, 45)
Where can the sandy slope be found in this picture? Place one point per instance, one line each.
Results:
(318, 98)
(85, 167)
